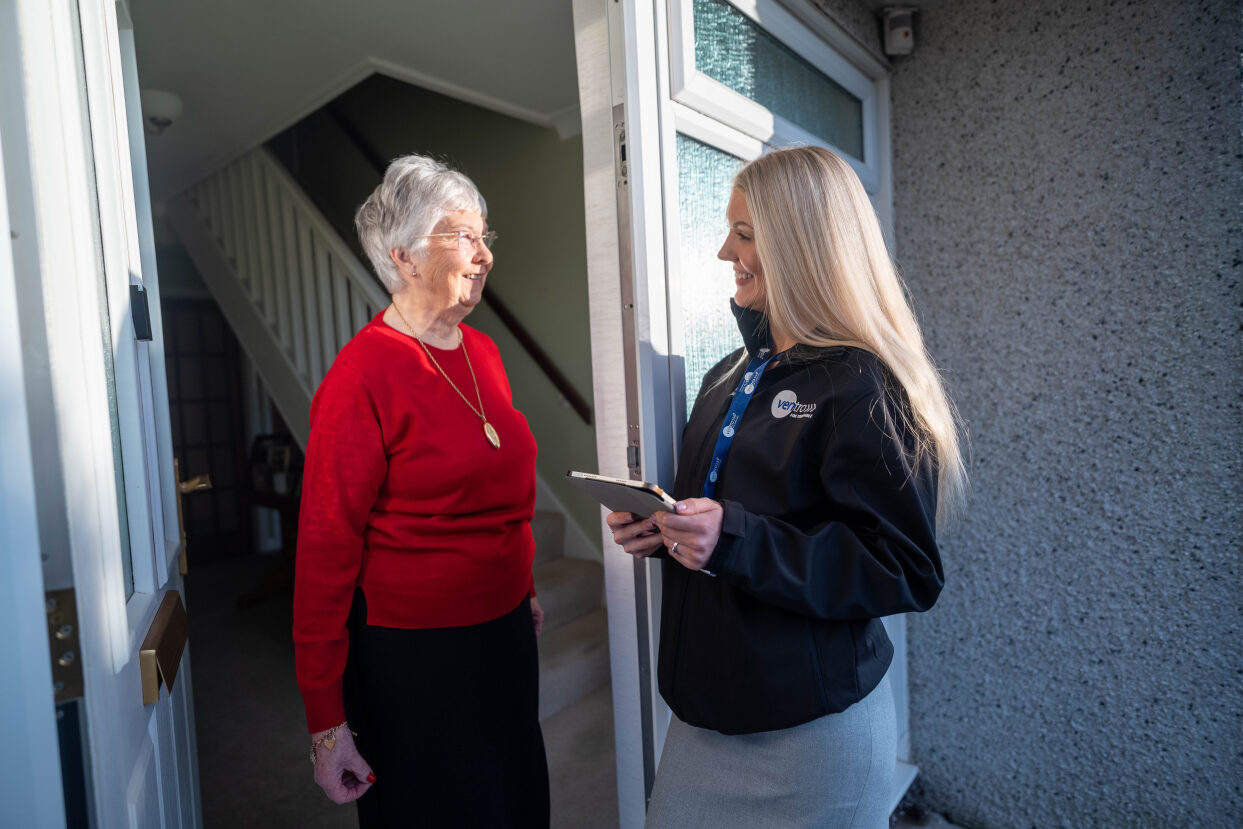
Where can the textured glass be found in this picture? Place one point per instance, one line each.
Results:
(732, 49)
(709, 332)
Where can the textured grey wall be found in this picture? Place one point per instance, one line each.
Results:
(859, 19)
(1067, 182)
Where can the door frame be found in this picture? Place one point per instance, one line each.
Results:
(30, 775)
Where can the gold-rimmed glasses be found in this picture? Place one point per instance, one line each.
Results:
(466, 240)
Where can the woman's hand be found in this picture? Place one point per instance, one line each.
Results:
(637, 536)
(691, 531)
(537, 616)
(341, 771)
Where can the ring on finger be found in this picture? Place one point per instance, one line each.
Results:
(674, 548)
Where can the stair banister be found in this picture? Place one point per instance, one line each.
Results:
(293, 290)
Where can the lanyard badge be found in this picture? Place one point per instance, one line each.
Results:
(742, 397)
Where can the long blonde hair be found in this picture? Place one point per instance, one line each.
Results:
(830, 281)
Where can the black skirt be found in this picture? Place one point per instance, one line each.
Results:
(448, 719)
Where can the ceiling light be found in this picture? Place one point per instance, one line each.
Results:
(159, 110)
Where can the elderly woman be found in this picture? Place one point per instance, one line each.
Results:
(414, 608)
(813, 467)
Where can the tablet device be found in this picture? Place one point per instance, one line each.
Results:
(621, 495)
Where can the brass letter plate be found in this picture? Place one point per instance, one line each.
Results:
(161, 651)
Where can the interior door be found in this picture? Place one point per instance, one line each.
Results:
(99, 419)
(676, 96)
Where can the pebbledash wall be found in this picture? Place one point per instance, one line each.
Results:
(1067, 188)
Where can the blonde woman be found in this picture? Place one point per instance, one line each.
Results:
(814, 465)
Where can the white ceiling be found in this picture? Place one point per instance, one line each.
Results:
(246, 69)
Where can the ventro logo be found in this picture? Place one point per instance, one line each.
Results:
(786, 404)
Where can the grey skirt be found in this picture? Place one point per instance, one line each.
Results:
(834, 772)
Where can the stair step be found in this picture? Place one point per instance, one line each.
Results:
(549, 531)
(574, 661)
(568, 588)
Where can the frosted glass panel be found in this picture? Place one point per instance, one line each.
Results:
(732, 49)
(709, 332)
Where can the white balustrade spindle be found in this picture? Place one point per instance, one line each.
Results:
(305, 284)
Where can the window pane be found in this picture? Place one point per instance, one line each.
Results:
(709, 332)
(732, 49)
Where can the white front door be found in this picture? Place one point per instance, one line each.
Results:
(676, 96)
(98, 413)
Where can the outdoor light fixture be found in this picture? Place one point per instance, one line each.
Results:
(159, 110)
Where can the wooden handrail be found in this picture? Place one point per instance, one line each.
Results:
(545, 363)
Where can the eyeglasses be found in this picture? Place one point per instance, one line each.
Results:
(465, 239)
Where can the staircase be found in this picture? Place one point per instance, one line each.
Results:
(573, 649)
(290, 287)
(294, 294)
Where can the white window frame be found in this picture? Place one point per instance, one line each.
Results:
(700, 93)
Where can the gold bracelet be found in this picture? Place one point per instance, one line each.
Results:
(329, 740)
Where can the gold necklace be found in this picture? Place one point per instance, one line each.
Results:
(488, 430)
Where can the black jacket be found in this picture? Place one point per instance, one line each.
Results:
(827, 527)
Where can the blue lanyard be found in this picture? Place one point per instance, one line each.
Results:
(742, 396)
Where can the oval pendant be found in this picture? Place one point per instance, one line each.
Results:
(493, 438)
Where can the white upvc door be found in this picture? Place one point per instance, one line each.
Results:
(100, 437)
(676, 95)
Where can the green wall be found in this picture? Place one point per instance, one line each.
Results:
(533, 183)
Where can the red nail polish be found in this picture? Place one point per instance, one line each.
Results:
(371, 777)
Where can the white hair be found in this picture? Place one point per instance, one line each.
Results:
(416, 193)
(830, 281)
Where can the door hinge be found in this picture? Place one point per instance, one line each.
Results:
(140, 311)
(65, 644)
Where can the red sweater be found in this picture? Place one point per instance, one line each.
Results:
(404, 496)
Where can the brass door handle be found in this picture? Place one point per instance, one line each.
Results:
(195, 484)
